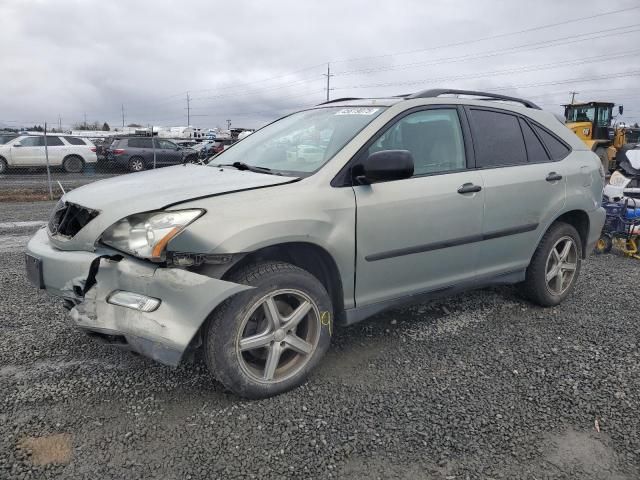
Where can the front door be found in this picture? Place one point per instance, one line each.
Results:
(419, 234)
(168, 152)
(26, 151)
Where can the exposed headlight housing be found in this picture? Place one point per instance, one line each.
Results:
(146, 235)
(617, 179)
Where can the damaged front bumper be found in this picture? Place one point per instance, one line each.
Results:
(186, 298)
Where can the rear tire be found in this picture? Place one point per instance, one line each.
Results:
(73, 164)
(555, 266)
(265, 341)
(4, 167)
(136, 164)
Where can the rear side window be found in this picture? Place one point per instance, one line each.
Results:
(74, 140)
(556, 148)
(140, 143)
(535, 150)
(497, 139)
(53, 141)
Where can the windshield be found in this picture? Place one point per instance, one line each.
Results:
(302, 142)
(580, 114)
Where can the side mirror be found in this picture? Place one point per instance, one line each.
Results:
(384, 166)
(620, 109)
(17, 144)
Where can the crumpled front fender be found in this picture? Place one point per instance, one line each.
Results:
(187, 298)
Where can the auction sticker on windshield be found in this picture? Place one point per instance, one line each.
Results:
(357, 111)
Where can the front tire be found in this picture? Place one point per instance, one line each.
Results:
(265, 341)
(3, 166)
(555, 266)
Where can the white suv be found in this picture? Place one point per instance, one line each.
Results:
(72, 153)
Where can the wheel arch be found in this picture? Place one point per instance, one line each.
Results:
(71, 155)
(578, 219)
(309, 256)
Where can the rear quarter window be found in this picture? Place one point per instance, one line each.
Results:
(497, 139)
(556, 148)
(535, 150)
(74, 140)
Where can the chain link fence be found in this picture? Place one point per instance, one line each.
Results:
(38, 166)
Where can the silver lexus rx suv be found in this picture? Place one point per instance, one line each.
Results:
(320, 220)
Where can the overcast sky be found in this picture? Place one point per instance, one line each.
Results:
(252, 61)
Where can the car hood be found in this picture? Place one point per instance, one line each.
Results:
(119, 197)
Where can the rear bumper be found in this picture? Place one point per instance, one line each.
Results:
(186, 298)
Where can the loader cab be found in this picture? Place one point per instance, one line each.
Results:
(590, 121)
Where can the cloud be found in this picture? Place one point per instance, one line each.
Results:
(252, 61)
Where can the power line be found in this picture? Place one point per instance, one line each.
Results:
(524, 69)
(492, 53)
(489, 37)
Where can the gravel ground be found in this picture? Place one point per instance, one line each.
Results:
(480, 386)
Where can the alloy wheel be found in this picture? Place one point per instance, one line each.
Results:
(278, 336)
(561, 265)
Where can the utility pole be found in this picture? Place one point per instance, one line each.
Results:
(328, 75)
(229, 125)
(188, 110)
(573, 96)
(123, 115)
(85, 120)
(59, 123)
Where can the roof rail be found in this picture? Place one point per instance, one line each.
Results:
(436, 92)
(345, 99)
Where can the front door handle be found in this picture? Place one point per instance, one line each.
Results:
(553, 177)
(469, 188)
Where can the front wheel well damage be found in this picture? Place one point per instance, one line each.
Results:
(312, 258)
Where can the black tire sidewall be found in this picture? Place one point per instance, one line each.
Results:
(4, 166)
(224, 324)
(535, 285)
(73, 158)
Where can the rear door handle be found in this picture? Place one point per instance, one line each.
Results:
(469, 188)
(553, 177)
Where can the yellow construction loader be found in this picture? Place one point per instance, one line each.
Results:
(591, 121)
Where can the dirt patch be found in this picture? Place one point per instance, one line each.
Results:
(584, 452)
(48, 450)
(24, 196)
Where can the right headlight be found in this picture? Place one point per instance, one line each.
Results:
(617, 179)
(146, 235)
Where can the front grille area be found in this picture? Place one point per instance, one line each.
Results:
(67, 219)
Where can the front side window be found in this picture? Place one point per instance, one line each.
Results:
(302, 142)
(603, 116)
(167, 145)
(31, 142)
(497, 139)
(434, 138)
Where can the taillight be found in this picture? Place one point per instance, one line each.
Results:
(118, 151)
(93, 149)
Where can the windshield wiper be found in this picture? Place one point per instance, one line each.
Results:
(251, 168)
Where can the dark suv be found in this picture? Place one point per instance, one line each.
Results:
(137, 153)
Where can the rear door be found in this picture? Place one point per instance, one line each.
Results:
(524, 188)
(56, 150)
(419, 234)
(26, 151)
